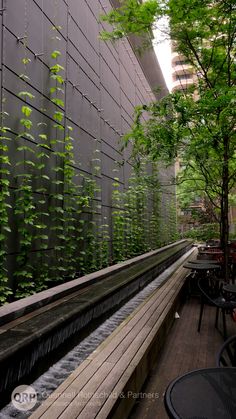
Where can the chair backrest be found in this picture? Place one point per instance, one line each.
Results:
(226, 356)
(209, 288)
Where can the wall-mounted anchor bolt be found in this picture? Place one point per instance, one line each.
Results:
(38, 54)
(20, 38)
(100, 110)
(84, 95)
(75, 85)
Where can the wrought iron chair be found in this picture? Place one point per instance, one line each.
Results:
(210, 290)
(226, 356)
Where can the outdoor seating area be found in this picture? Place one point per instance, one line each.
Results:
(189, 377)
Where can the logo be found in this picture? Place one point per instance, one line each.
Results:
(24, 398)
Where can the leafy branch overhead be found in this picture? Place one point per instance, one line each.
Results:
(132, 17)
(198, 124)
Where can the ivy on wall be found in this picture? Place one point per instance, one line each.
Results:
(62, 232)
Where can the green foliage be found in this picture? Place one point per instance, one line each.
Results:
(118, 238)
(134, 231)
(199, 124)
(54, 203)
(203, 232)
(132, 17)
(4, 207)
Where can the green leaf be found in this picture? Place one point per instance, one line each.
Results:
(56, 68)
(27, 123)
(58, 102)
(58, 78)
(55, 54)
(26, 60)
(26, 94)
(26, 110)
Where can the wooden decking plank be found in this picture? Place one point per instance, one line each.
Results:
(63, 401)
(55, 395)
(106, 408)
(105, 383)
(73, 387)
(184, 350)
(132, 364)
(119, 349)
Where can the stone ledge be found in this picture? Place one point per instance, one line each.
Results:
(19, 308)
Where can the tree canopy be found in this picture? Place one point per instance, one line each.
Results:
(198, 124)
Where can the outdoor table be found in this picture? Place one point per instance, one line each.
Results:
(206, 261)
(215, 254)
(199, 270)
(205, 393)
(230, 289)
(201, 266)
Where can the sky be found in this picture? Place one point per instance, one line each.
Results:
(163, 51)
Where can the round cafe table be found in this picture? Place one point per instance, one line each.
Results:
(197, 271)
(231, 290)
(203, 394)
(201, 266)
(206, 261)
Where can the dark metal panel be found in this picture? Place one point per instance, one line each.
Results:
(35, 28)
(94, 6)
(109, 158)
(86, 21)
(82, 112)
(16, 18)
(57, 13)
(110, 59)
(85, 67)
(111, 111)
(109, 81)
(37, 71)
(85, 149)
(73, 71)
(128, 83)
(84, 47)
(107, 194)
(89, 88)
(126, 105)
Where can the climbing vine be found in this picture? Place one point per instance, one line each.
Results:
(24, 208)
(5, 291)
(62, 230)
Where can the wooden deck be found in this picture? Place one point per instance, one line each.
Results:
(185, 349)
(100, 386)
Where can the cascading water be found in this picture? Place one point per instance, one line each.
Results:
(56, 374)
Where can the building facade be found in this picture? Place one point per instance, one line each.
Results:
(67, 99)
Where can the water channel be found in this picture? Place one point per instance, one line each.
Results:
(57, 373)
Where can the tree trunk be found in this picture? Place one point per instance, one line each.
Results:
(225, 210)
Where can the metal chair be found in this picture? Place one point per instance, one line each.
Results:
(226, 356)
(211, 294)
